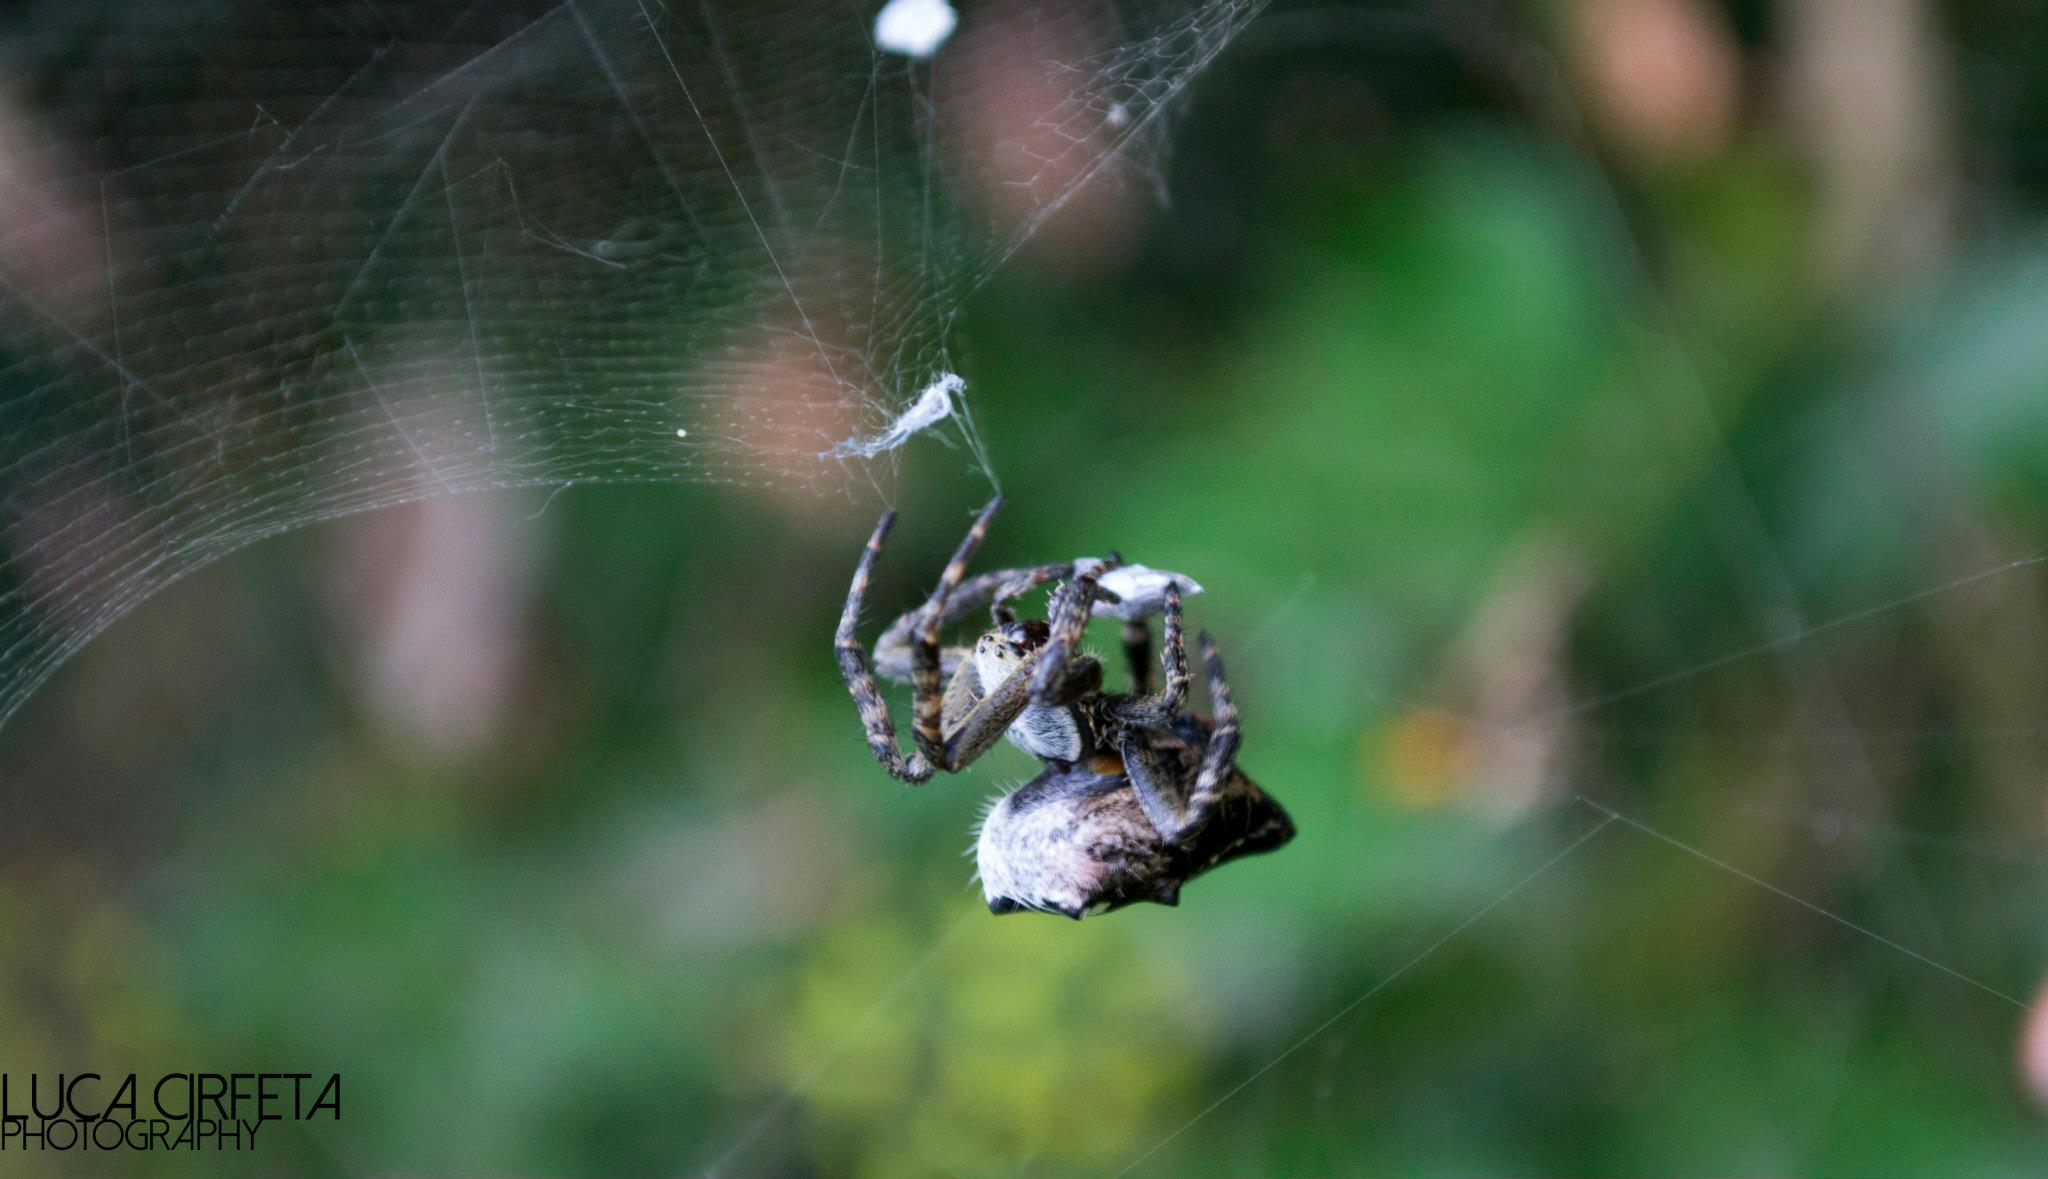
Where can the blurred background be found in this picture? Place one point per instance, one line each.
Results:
(1568, 405)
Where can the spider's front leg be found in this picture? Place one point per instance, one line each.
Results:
(1070, 611)
(859, 673)
(927, 698)
(1015, 583)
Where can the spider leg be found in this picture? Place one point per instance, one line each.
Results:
(1219, 759)
(1156, 711)
(1024, 581)
(1070, 611)
(961, 693)
(860, 676)
(977, 726)
(927, 698)
(1081, 677)
(1149, 774)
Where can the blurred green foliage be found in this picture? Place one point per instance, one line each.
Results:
(1479, 430)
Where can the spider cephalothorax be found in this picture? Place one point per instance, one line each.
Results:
(1137, 796)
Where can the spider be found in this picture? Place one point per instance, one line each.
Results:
(1137, 797)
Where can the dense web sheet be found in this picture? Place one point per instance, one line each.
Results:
(270, 265)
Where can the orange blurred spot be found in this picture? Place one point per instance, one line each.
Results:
(1426, 758)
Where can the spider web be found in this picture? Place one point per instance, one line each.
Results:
(272, 264)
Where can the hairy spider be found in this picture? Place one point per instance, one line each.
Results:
(1137, 797)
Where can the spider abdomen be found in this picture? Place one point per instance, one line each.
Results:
(1066, 842)
(1076, 840)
